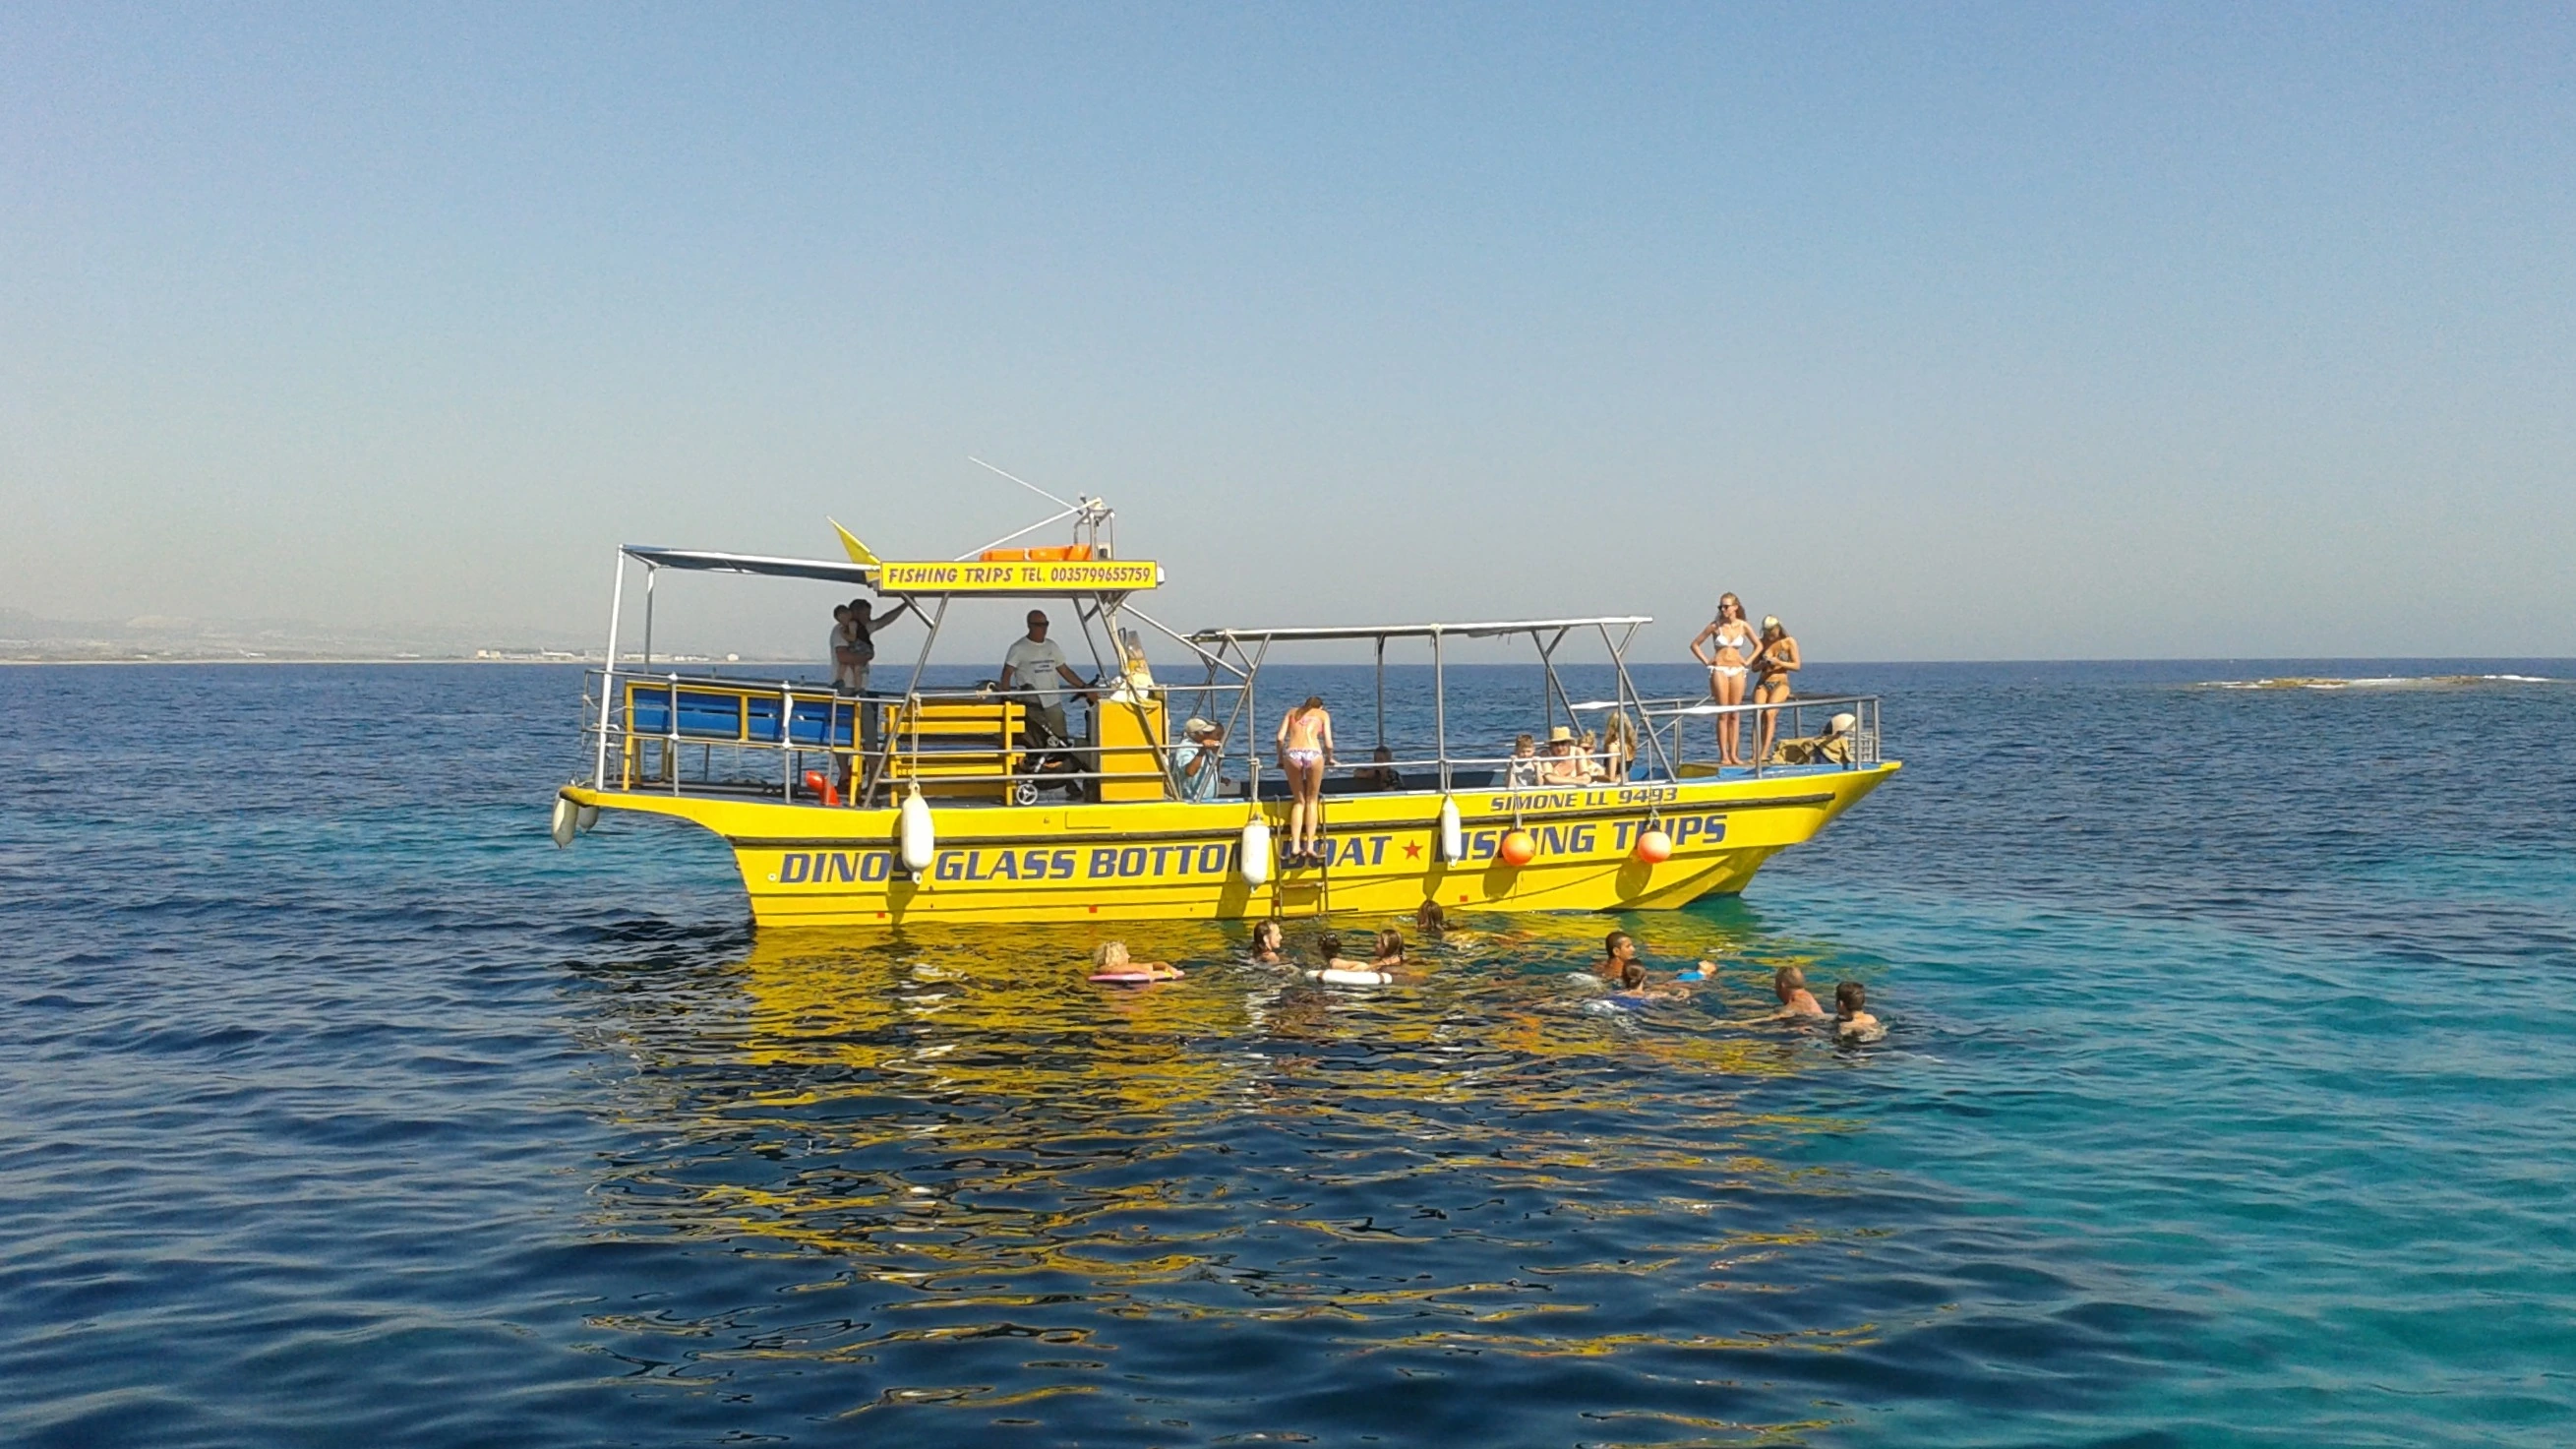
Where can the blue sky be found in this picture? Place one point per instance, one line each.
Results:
(1997, 332)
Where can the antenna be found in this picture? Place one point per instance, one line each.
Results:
(1025, 483)
(1086, 514)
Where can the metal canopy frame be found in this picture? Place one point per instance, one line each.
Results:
(1236, 652)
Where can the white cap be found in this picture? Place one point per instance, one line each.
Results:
(1843, 724)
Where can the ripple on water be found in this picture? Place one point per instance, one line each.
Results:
(2222, 1104)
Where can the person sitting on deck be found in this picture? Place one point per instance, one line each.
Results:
(1522, 773)
(1381, 773)
(1036, 665)
(1618, 744)
(1560, 765)
(1194, 761)
(1833, 747)
(1588, 750)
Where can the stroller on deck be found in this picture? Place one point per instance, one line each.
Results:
(1049, 761)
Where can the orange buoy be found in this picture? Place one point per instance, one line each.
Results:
(1517, 847)
(1654, 846)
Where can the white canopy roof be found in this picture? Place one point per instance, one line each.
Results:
(751, 563)
(1413, 631)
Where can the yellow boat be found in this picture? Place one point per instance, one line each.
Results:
(958, 805)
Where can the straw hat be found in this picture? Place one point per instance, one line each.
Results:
(1560, 734)
(1843, 723)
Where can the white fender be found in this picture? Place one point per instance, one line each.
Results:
(1453, 836)
(920, 842)
(588, 820)
(1256, 852)
(566, 813)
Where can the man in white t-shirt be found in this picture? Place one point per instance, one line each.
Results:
(1035, 664)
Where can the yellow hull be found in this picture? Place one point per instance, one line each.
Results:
(812, 865)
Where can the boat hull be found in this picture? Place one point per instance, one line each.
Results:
(813, 865)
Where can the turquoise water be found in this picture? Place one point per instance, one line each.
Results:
(2225, 1100)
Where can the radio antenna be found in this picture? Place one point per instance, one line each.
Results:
(1025, 483)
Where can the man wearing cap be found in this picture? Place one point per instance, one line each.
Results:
(1194, 761)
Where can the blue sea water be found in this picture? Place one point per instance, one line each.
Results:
(2226, 1100)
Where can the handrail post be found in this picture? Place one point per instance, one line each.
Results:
(1440, 706)
(608, 681)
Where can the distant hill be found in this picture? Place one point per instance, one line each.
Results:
(26, 637)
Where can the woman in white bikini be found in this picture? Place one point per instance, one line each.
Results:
(1728, 661)
(1305, 748)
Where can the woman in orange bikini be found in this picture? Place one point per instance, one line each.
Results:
(1305, 748)
(1728, 662)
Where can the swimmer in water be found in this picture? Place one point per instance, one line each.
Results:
(1632, 983)
(1618, 953)
(1796, 1001)
(1268, 943)
(1390, 950)
(1430, 921)
(1339, 970)
(1328, 950)
(1852, 1021)
(1110, 958)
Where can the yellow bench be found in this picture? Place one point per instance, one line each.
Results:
(967, 747)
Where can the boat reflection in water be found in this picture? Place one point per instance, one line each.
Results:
(972, 1188)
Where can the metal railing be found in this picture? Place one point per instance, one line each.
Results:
(783, 732)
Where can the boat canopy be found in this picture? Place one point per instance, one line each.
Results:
(1490, 630)
(750, 563)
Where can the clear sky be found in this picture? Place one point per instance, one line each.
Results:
(1943, 332)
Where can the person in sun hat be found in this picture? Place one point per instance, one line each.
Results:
(1194, 761)
(1558, 764)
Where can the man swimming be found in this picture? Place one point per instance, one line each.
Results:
(1852, 1021)
(1796, 1001)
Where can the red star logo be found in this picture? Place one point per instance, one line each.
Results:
(1413, 850)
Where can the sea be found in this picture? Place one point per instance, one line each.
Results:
(2228, 1096)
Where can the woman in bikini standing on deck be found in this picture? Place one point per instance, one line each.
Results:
(1771, 670)
(1728, 661)
(1305, 748)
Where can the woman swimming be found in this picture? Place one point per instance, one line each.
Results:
(1305, 748)
(1268, 942)
(1772, 666)
(1728, 661)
